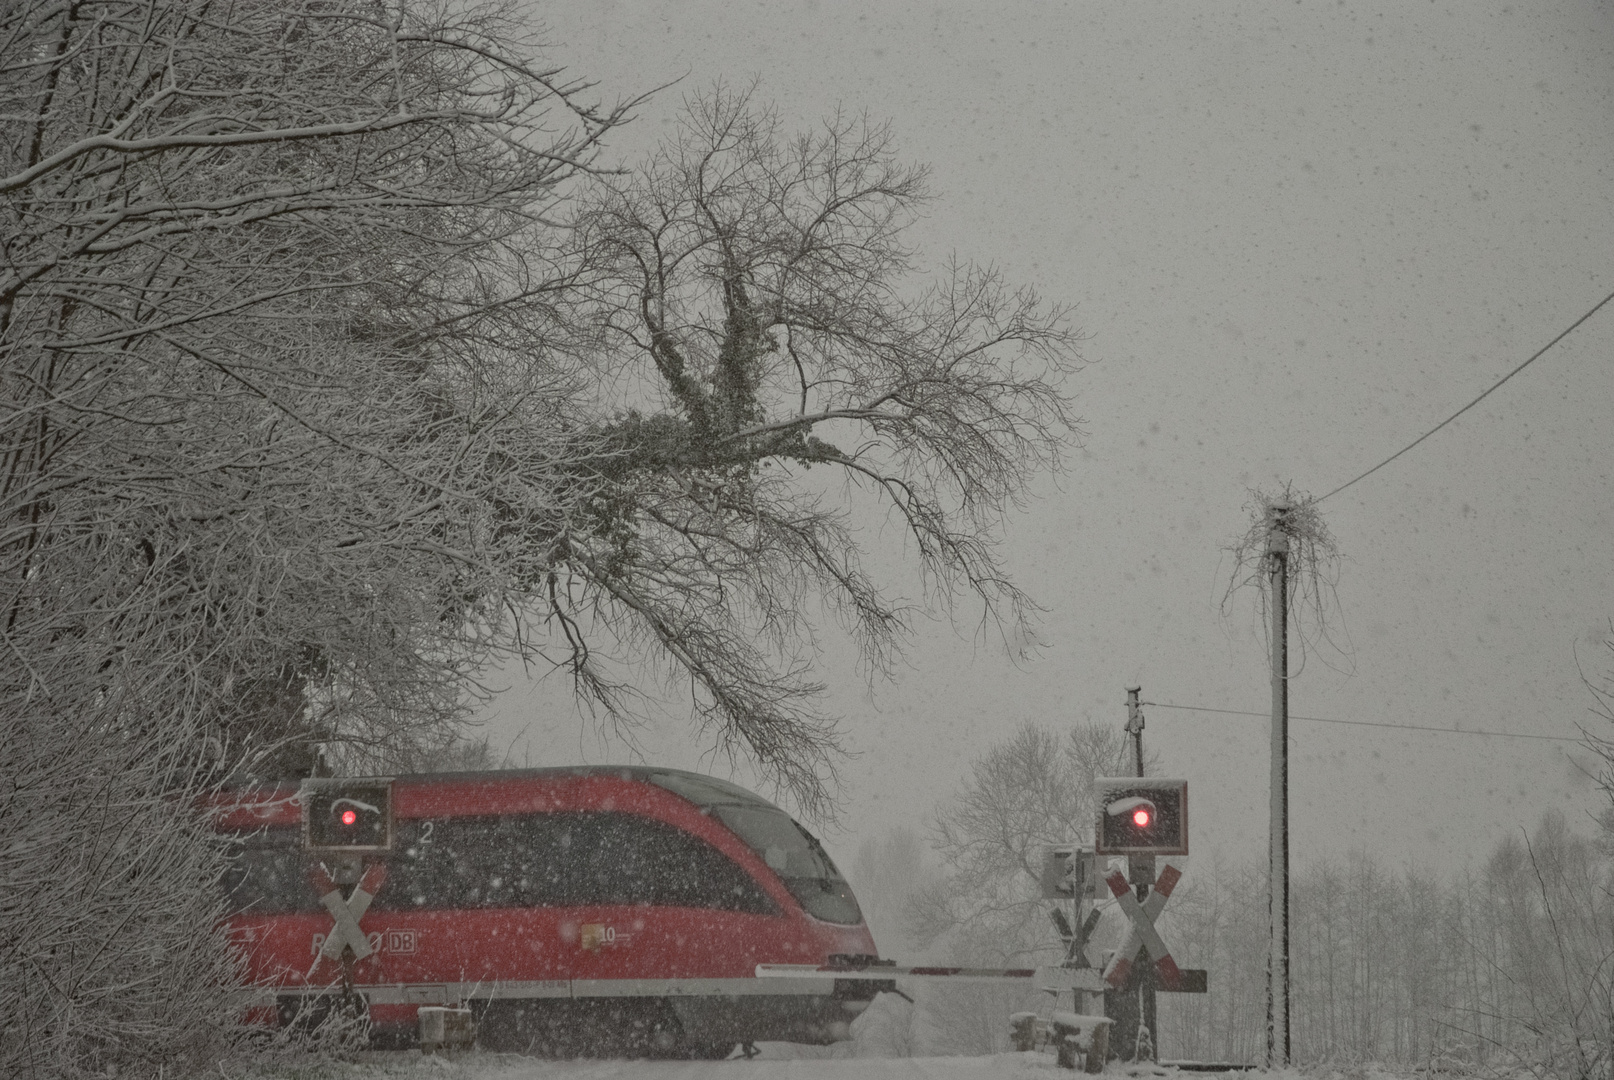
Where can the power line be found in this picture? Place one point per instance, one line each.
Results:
(1366, 723)
(1473, 403)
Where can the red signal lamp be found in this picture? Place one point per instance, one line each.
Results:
(1141, 815)
(347, 813)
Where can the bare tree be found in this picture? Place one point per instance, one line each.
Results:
(1032, 790)
(274, 328)
(776, 365)
(885, 872)
(1600, 740)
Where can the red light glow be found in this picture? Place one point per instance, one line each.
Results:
(350, 817)
(1140, 817)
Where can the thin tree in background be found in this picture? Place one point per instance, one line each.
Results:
(1497, 970)
(1026, 792)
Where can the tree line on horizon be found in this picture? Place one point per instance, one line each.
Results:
(1498, 968)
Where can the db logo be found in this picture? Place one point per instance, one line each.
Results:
(401, 942)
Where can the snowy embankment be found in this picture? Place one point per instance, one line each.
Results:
(1014, 1066)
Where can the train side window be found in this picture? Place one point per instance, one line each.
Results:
(433, 865)
(267, 874)
(639, 860)
(562, 859)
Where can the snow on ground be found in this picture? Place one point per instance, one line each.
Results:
(1004, 1066)
(1021, 1066)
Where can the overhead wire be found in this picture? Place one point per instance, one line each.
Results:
(1419, 727)
(1366, 723)
(1476, 401)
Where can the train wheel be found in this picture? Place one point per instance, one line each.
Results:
(635, 1028)
(655, 1032)
(514, 1027)
(709, 1051)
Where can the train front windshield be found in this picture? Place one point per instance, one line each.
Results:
(797, 857)
(789, 850)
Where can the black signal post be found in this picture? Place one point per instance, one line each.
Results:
(1139, 817)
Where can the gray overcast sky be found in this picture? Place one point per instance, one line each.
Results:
(1298, 235)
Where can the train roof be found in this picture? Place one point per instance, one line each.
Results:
(698, 788)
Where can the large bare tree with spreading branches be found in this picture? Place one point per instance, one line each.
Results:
(779, 367)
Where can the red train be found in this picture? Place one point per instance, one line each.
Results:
(574, 910)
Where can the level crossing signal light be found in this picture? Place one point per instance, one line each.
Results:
(348, 814)
(1141, 816)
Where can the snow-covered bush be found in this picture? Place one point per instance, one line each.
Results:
(244, 473)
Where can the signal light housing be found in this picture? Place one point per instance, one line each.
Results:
(1141, 816)
(348, 814)
(1069, 873)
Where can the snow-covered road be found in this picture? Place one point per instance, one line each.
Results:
(996, 1067)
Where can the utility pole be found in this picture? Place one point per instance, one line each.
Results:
(1278, 943)
(1134, 724)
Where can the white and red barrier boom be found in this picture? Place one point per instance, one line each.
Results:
(1064, 978)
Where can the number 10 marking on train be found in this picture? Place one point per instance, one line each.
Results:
(595, 936)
